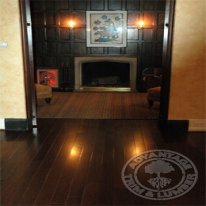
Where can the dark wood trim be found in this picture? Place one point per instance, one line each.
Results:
(166, 61)
(174, 128)
(28, 62)
(17, 124)
(176, 123)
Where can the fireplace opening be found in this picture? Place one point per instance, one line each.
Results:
(105, 74)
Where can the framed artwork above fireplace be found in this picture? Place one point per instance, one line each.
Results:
(48, 76)
(106, 28)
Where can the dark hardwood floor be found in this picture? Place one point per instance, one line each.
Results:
(79, 162)
(98, 105)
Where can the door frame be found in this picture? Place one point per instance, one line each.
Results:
(29, 61)
(166, 62)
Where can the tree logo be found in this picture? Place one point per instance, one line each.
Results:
(158, 167)
(159, 175)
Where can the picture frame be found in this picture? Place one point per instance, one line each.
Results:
(106, 28)
(48, 76)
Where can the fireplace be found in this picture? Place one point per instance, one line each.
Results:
(105, 73)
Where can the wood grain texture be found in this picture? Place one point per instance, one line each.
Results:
(98, 106)
(79, 162)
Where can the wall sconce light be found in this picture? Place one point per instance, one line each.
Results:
(71, 24)
(140, 24)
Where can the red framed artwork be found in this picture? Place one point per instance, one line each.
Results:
(48, 77)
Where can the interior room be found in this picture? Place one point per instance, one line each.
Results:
(60, 38)
(102, 102)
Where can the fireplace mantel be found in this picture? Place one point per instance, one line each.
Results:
(78, 61)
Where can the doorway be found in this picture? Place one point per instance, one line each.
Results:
(76, 38)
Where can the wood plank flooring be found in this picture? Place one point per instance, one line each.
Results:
(79, 162)
(98, 105)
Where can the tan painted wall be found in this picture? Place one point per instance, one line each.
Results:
(188, 86)
(12, 97)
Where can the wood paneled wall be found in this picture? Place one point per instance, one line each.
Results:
(56, 46)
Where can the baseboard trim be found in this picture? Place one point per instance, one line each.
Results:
(174, 124)
(197, 125)
(17, 124)
(175, 128)
(2, 124)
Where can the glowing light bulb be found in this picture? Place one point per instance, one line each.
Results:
(141, 24)
(71, 24)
